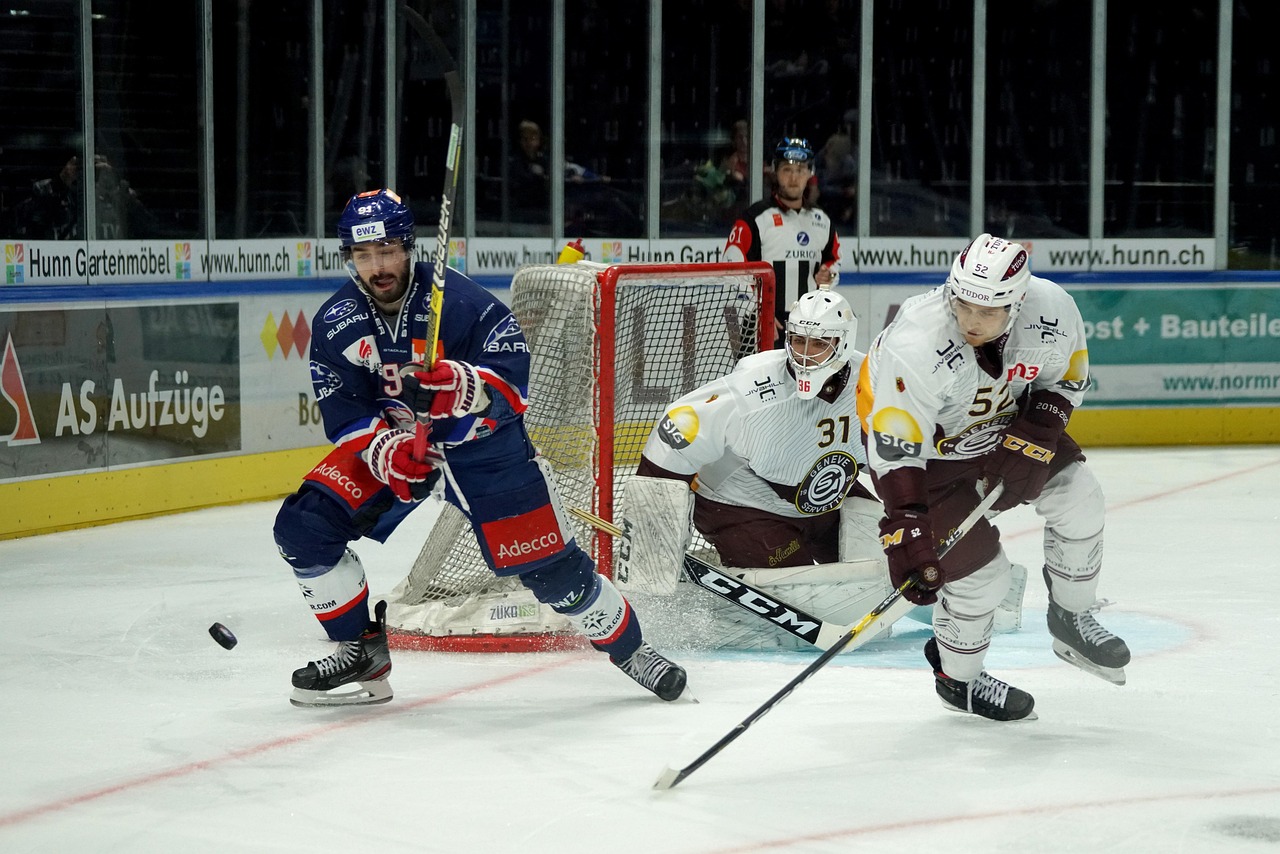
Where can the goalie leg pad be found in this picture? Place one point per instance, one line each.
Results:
(1009, 611)
(656, 520)
(860, 528)
(839, 593)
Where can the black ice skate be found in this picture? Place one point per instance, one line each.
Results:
(356, 673)
(985, 696)
(1079, 640)
(654, 671)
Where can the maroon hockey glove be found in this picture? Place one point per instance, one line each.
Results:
(1021, 461)
(907, 539)
(448, 389)
(390, 457)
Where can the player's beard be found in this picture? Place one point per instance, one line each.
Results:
(387, 289)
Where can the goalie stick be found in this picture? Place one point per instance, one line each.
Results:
(424, 29)
(738, 592)
(671, 777)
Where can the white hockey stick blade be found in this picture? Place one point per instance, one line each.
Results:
(828, 635)
(668, 778)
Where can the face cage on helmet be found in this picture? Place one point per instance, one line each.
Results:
(830, 344)
(815, 375)
(349, 264)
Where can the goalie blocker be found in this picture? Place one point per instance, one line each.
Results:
(656, 533)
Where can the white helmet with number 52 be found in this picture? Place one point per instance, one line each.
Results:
(820, 331)
(991, 272)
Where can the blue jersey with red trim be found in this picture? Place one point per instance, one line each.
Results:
(357, 352)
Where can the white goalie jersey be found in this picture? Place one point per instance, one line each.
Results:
(752, 441)
(923, 395)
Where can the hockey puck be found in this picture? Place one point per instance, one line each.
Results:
(222, 635)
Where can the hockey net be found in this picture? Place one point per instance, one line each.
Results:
(610, 347)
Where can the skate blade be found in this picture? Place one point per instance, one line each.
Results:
(1031, 715)
(369, 693)
(1114, 675)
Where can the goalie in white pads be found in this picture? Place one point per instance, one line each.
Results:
(761, 461)
(971, 384)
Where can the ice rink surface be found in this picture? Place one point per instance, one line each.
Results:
(126, 729)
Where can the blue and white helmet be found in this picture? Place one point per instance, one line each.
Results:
(794, 149)
(827, 316)
(375, 215)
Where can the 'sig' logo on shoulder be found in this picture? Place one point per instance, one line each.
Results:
(892, 447)
(679, 428)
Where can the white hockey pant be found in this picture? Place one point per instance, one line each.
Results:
(1073, 508)
(964, 617)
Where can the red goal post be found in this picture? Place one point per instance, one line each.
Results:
(610, 346)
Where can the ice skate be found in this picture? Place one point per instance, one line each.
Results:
(1079, 640)
(654, 671)
(985, 696)
(356, 673)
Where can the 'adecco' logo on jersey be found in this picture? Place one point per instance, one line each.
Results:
(339, 310)
(523, 538)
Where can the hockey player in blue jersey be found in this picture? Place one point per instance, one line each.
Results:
(368, 367)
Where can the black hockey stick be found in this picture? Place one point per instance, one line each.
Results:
(424, 29)
(671, 777)
(800, 624)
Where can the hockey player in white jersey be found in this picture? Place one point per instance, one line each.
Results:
(771, 450)
(973, 383)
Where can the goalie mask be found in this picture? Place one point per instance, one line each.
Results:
(820, 331)
(991, 272)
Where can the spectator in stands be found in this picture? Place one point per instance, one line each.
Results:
(53, 210)
(530, 176)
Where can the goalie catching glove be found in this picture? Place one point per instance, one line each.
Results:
(390, 458)
(909, 546)
(447, 389)
(1022, 458)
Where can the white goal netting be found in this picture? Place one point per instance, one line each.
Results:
(611, 346)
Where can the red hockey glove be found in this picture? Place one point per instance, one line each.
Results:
(390, 458)
(907, 539)
(448, 389)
